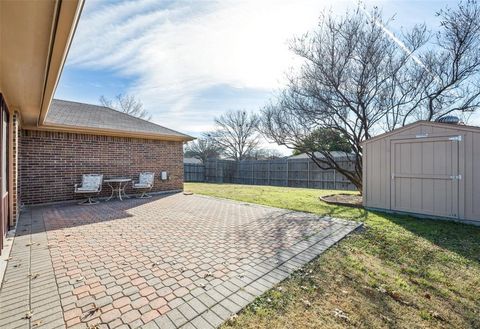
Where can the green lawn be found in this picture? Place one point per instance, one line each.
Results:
(397, 272)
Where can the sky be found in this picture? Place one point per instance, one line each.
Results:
(191, 61)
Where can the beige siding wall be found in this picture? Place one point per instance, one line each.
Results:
(472, 173)
(377, 168)
(378, 161)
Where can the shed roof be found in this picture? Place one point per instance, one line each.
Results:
(74, 116)
(424, 123)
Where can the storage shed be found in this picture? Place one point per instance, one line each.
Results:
(428, 169)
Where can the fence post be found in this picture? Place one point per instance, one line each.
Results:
(334, 179)
(268, 173)
(287, 173)
(308, 173)
(237, 173)
(253, 175)
(216, 170)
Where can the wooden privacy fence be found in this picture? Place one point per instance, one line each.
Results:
(194, 172)
(280, 172)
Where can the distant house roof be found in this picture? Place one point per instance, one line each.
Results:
(79, 116)
(335, 154)
(192, 161)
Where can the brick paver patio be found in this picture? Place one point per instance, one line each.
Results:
(166, 262)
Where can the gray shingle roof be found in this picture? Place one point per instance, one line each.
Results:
(80, 115)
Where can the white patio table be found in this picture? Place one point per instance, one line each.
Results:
(118, 187)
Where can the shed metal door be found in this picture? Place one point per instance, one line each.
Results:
(425, 176)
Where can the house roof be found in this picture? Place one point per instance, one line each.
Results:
(424, 123)
(35, 38)
(335, 154)
(192, 161)
(73, 116)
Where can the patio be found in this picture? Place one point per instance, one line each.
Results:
(165, 262)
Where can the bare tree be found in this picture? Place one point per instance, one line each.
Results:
(451, 81)
(358, 80)
(127, 104)
(265, 154)
(237, 133)
(203, 148)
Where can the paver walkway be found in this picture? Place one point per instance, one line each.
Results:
(165, 262)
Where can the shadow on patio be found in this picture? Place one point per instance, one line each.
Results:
(134, 261)
(66, 215)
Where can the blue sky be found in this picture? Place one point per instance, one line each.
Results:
(189, 61)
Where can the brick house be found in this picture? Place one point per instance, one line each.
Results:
(45, 144)
(80, 138)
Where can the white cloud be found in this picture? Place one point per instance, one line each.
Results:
(175, 51)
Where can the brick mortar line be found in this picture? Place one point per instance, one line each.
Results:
(310, 246)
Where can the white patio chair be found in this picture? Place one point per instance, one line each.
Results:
(91, 185)
(145, 183)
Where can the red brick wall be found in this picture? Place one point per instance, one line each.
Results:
(52, 162)
(15, 173)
